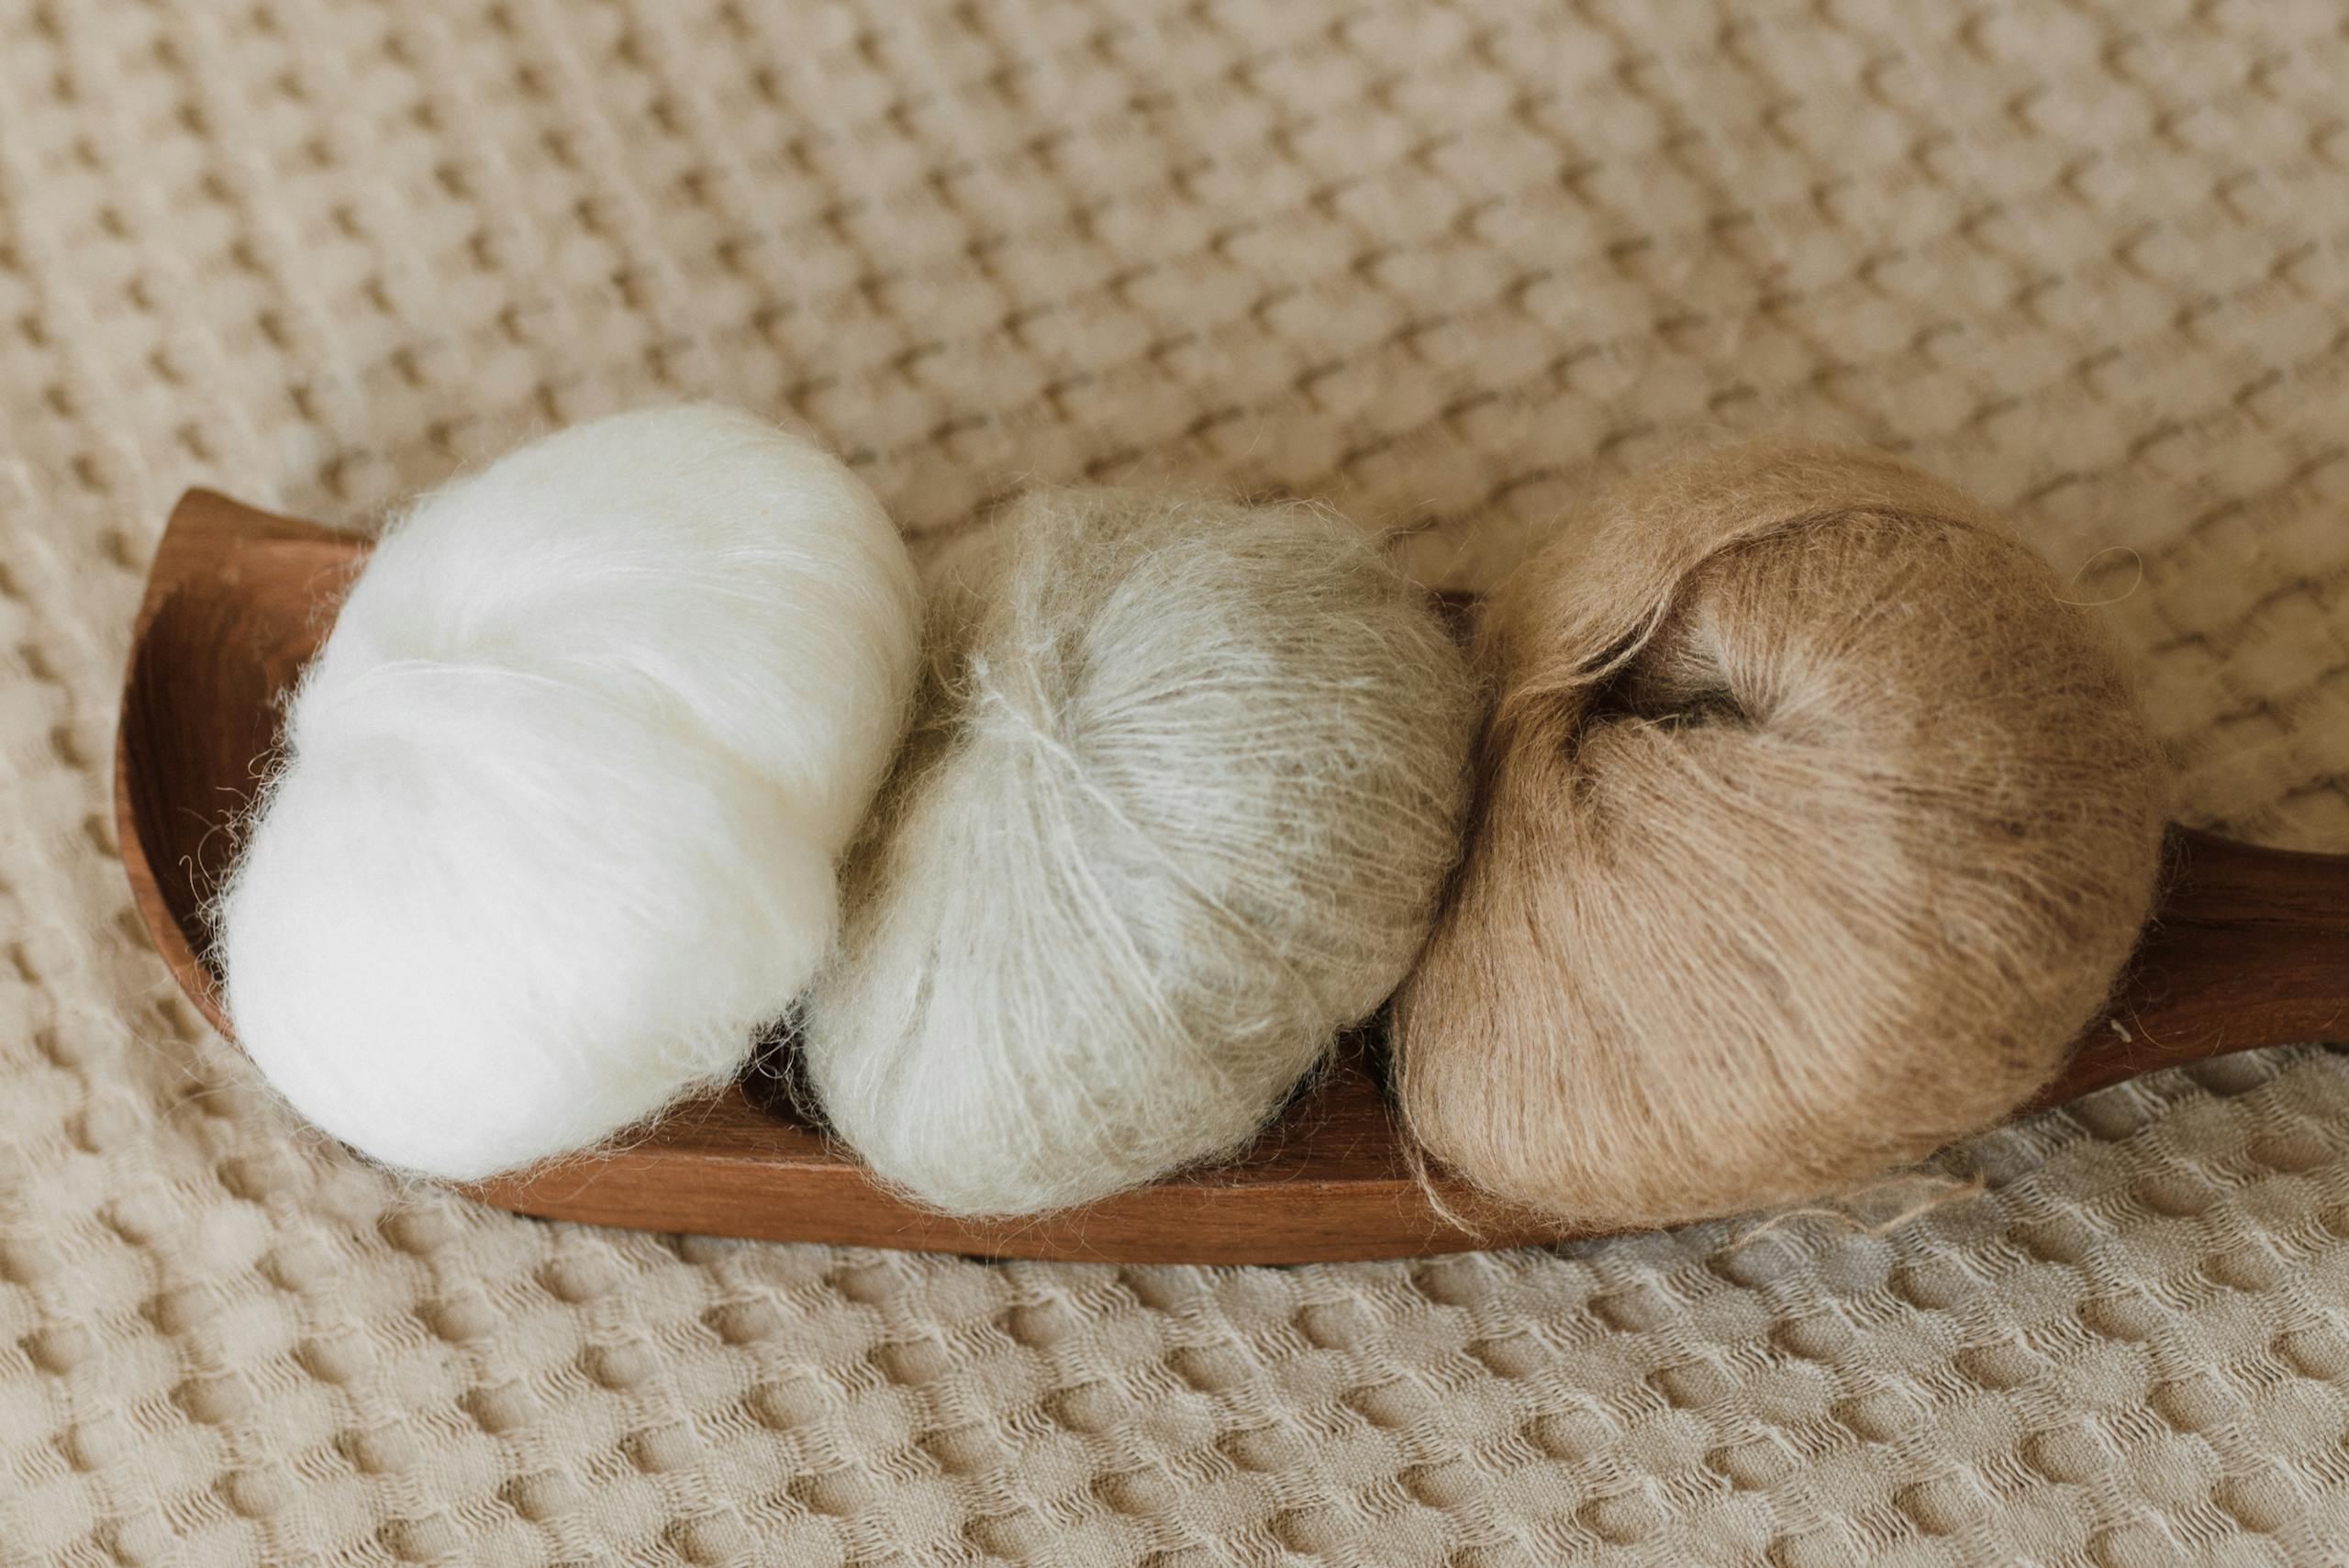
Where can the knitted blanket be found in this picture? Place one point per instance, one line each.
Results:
(1443, 265)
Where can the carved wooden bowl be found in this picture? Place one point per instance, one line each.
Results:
(2250, 948)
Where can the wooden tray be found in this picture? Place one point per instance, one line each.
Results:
(2251, 949)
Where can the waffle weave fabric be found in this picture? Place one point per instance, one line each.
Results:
(1442, 264)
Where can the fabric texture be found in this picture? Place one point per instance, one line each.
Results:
(1441, 265)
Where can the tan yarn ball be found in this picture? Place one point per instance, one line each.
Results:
(1814, 827)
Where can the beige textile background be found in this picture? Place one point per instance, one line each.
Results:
(1439, 263)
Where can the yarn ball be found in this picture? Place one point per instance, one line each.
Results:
(1185, 783)
(562, 796)
(1815, 827)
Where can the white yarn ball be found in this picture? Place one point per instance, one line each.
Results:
(1185, 780)
(563, 793)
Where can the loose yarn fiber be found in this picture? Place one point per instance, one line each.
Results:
(1185, 783)
(561, 796)
(1814, 828)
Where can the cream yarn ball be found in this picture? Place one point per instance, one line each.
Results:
(1185, 780)
(556, 828)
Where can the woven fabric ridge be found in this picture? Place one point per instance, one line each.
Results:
(1443, 265)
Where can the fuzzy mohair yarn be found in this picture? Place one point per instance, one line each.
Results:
(1814, 825)
(1187, 779)
(562, 796)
